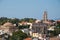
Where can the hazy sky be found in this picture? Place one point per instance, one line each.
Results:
(29, 8)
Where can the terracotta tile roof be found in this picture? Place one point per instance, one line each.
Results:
(54, 38)
(28, 39)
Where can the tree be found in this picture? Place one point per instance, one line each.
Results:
(56, 30)
(14, 21)
(28, 20)
(23, 26)
(19, 35)
(3, 20)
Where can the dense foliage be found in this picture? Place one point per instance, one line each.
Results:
(19, 35)
(23, 26)
(56, 31)
(15, 20)
(28, 20)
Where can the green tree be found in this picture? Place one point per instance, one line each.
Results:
(23, 26)
(15, 20)
(19, 35)
(3, 20)
(28, 20)
(56, 31)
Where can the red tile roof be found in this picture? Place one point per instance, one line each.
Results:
(28, 39)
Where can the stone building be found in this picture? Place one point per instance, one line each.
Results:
(8, 28)
(39, 29)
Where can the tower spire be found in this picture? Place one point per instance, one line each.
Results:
(45, 16)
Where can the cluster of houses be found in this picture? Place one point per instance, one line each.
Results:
(38, 29)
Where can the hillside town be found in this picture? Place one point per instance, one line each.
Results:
(43, 29)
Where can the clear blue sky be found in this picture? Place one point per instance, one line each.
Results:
(29, 8)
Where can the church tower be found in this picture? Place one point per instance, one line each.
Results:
(45, 16)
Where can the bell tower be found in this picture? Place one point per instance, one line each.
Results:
(45, 16)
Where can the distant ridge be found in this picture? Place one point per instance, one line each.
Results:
(57, 19)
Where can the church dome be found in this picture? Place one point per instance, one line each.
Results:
(8, 24)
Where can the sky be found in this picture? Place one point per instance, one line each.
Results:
(29, 8)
